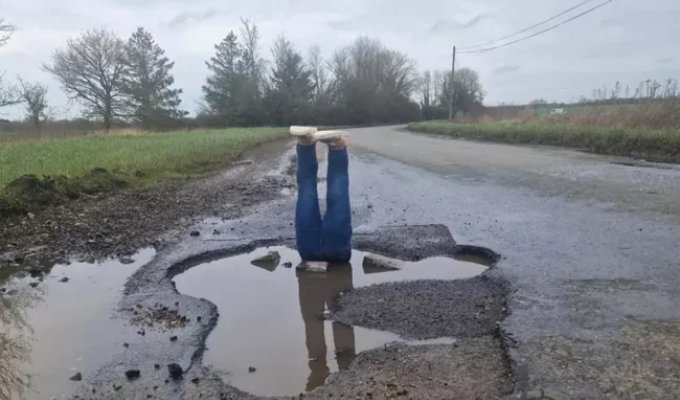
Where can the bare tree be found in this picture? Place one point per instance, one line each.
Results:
(372, 83)
(438, 83)
(316, 66)
(253, 64)
(8, 94)
(616, 92)
(33, 96)
(6, 31)
(468, 90)
(426, 89)
(671, 88)
(91, 70)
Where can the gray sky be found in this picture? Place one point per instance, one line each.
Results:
(627, 40)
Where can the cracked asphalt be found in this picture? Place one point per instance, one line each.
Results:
(589, 245)
(588, 273)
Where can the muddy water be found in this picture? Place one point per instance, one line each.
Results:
(270, 319)
(51, 329)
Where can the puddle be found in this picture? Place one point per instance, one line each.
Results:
(269, 320)
(51, 329)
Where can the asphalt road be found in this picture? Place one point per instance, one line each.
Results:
(590, 270)
(589, 246)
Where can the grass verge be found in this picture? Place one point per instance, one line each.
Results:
(662, 145)
(36, 173)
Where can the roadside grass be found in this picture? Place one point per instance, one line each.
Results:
(662, 145)
(127, 158)
(652, 114)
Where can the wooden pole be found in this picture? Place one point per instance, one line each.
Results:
(453, 72)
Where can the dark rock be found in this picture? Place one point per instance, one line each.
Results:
(373, 263)
(126, 260)
(77, 377)
(33, 284)
(12, 292)
(195, 233)
(269, 261)
(64, 279)
(126, 345)
(156, 366)
(242, 162)
(173, 338)
(252, 369)
(175, 371)
(288, 264)
(198, 319)
(132, 374)
(195, 381)
(35, 272)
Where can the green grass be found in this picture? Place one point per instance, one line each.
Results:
(661, 145)
(151, 155)
(102, 163)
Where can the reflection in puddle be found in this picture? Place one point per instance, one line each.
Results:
(269, 317)
(52, 327)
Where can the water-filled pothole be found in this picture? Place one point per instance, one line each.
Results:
(270, 339)
(55, 326)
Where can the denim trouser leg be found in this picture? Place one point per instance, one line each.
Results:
(307, 213)
(337, 223)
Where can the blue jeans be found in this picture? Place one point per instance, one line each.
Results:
(329, 239)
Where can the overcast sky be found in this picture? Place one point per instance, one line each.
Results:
(627, 40)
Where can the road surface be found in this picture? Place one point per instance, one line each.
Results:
(589, 274)
(589, 246)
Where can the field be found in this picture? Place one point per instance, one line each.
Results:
(647, 131)
(97, 162)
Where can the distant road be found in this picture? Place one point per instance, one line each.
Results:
(630, 184)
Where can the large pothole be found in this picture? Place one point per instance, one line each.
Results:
(273, 336)
(58, 325)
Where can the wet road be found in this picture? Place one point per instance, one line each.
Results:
(589, 246)
(589, 261)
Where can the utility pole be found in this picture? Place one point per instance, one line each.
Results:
(453, 71)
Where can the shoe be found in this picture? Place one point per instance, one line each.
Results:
(305, 134)
(330, 136)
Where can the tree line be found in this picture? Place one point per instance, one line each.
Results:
(131, 80)
(435, 91)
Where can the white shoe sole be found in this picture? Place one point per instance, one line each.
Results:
(330, 136)
(301, 131)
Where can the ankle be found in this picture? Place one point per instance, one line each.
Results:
(339, 144)
(308, 140)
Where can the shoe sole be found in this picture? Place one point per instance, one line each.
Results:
(301, 131)
(330, 136)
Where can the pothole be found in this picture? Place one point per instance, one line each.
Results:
(56, 325)
(271, 337)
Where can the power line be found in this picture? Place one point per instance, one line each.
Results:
(465, 48)
(550, 28)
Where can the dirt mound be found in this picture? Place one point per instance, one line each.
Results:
(32, 193)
